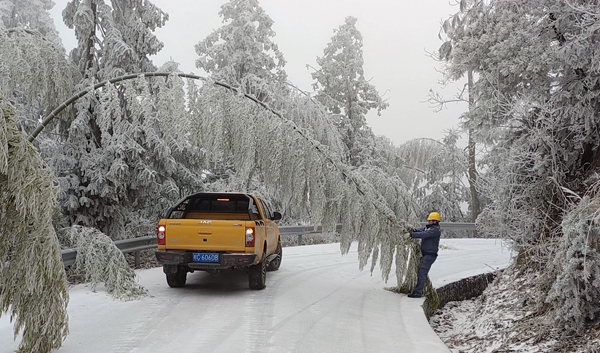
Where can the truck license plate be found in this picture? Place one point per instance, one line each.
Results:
(205, 257)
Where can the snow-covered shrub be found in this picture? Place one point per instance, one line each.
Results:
(99, 260)
(575, 293)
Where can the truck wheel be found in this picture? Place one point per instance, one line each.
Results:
(257, 275)
(274, 265)
(177, 279)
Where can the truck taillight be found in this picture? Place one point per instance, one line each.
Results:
(161, 234)
(250, 237)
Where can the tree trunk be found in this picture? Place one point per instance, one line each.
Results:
(475, 204)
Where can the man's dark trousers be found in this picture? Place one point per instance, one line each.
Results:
(426, 262)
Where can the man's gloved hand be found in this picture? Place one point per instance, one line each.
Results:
(411, 228)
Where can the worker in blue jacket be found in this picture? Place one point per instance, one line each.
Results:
(430, 243)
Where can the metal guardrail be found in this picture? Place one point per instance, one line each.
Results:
(135, 245)
(132, 245)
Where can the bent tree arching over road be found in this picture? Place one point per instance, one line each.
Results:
(374, 220)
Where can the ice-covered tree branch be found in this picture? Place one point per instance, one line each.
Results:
(34, 285)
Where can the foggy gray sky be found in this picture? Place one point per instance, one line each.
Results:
(396, 36)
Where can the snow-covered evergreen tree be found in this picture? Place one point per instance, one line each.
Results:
(114, 38)
(342, 88)
(242, 52)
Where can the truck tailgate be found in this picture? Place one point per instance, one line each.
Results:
(205, 235)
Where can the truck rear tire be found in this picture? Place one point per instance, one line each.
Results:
(274, 265)
(257, 275)
(177, 279)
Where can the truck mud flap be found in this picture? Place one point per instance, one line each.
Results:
(169, 269)
(272, 257)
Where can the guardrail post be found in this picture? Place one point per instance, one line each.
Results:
(299, 239)
(137, 259)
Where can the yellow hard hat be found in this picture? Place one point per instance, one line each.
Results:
(434, 216)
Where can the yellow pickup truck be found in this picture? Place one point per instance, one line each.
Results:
(217, 231)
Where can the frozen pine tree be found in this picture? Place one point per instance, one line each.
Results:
(342, 88)
(114, 37)
(242, 51)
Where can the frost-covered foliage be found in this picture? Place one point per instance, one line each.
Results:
(537, 99)
(298, 156)
(301, 156)
(34, 287)
(575, 292)
(342, 88)
(434, 171)
(139, 162)
(99, 260)
(34, 72)
(242, 52)
(30, 15)
(506, 319)
(116, 38)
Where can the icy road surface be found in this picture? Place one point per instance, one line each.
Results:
(318, 301)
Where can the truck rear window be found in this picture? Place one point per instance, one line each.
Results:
(211, 204)
(219, 205)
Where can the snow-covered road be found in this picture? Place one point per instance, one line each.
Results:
(317, 302)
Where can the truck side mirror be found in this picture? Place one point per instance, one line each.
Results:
(276, 216)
